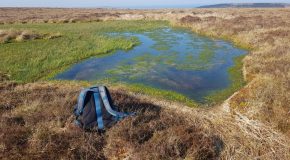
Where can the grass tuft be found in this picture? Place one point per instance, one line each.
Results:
(11, 35)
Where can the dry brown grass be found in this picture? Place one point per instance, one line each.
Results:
(36, 123)
(252, 124)
(267, 67)
(48, 15)
(13, 35)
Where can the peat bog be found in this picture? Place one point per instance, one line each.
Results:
(171, 59)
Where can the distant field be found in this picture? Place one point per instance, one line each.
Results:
(64, 15)
(247, 5)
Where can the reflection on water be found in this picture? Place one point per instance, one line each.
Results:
(170, 59)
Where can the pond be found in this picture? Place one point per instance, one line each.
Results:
(168, 59)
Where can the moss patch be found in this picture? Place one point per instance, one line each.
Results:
(159, 93)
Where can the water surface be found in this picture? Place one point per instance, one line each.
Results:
(169, 59)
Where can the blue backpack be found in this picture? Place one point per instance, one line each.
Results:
(95, 109)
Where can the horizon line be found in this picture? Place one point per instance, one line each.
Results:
(140, 7)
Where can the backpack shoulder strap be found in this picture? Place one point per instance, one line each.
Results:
(98, 110)
(107, 105)
(81, 100)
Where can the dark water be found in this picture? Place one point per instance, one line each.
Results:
(169, 59)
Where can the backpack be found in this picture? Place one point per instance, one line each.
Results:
(95, 109)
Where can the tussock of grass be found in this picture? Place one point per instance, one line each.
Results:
(7, 36)
(271, 97)
(36, 121)
(39, 124)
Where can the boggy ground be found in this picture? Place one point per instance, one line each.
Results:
(251, 124)
(266, 67)
(36, 123)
